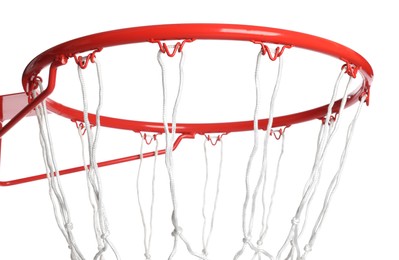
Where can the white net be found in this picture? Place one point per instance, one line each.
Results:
(253, 222)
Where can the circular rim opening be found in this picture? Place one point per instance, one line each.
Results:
(59, 55)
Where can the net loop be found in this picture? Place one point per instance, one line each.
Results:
(273, 55)
(178, 47)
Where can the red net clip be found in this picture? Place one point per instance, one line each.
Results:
(33, 85)
(82, 127)
(367, 94)
(350, 69)
(84, 61)
(148, 138)
(278, 133)
(214, 139)
(178, 47)
(332, 119)
(277, 52)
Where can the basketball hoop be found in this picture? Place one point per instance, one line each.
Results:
(38, 99)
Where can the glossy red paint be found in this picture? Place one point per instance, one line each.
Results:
(188, 32)
(58, 55)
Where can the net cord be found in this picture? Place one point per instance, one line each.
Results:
(254, 150)
(331, 126)
(258, 251)
(147, 228)
(170, 137)
(93, 204)
(327, 131)
(266, 217)
(206, 238)
(94, 177)
(334, 182)
(265, 225)
(56, 192)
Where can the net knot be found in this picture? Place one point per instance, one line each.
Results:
(295, 221)
(147, 256)
(259, 242)
(68, 226)
(104, 235)
(205, 252)
(177, 231)
(308, 248)
(246, 240)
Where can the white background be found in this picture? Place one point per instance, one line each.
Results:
(363, 220)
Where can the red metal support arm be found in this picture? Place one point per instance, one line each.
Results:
(100, 164)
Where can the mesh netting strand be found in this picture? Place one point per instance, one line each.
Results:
(291, 247)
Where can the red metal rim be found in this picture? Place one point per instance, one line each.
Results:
(93, 42)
